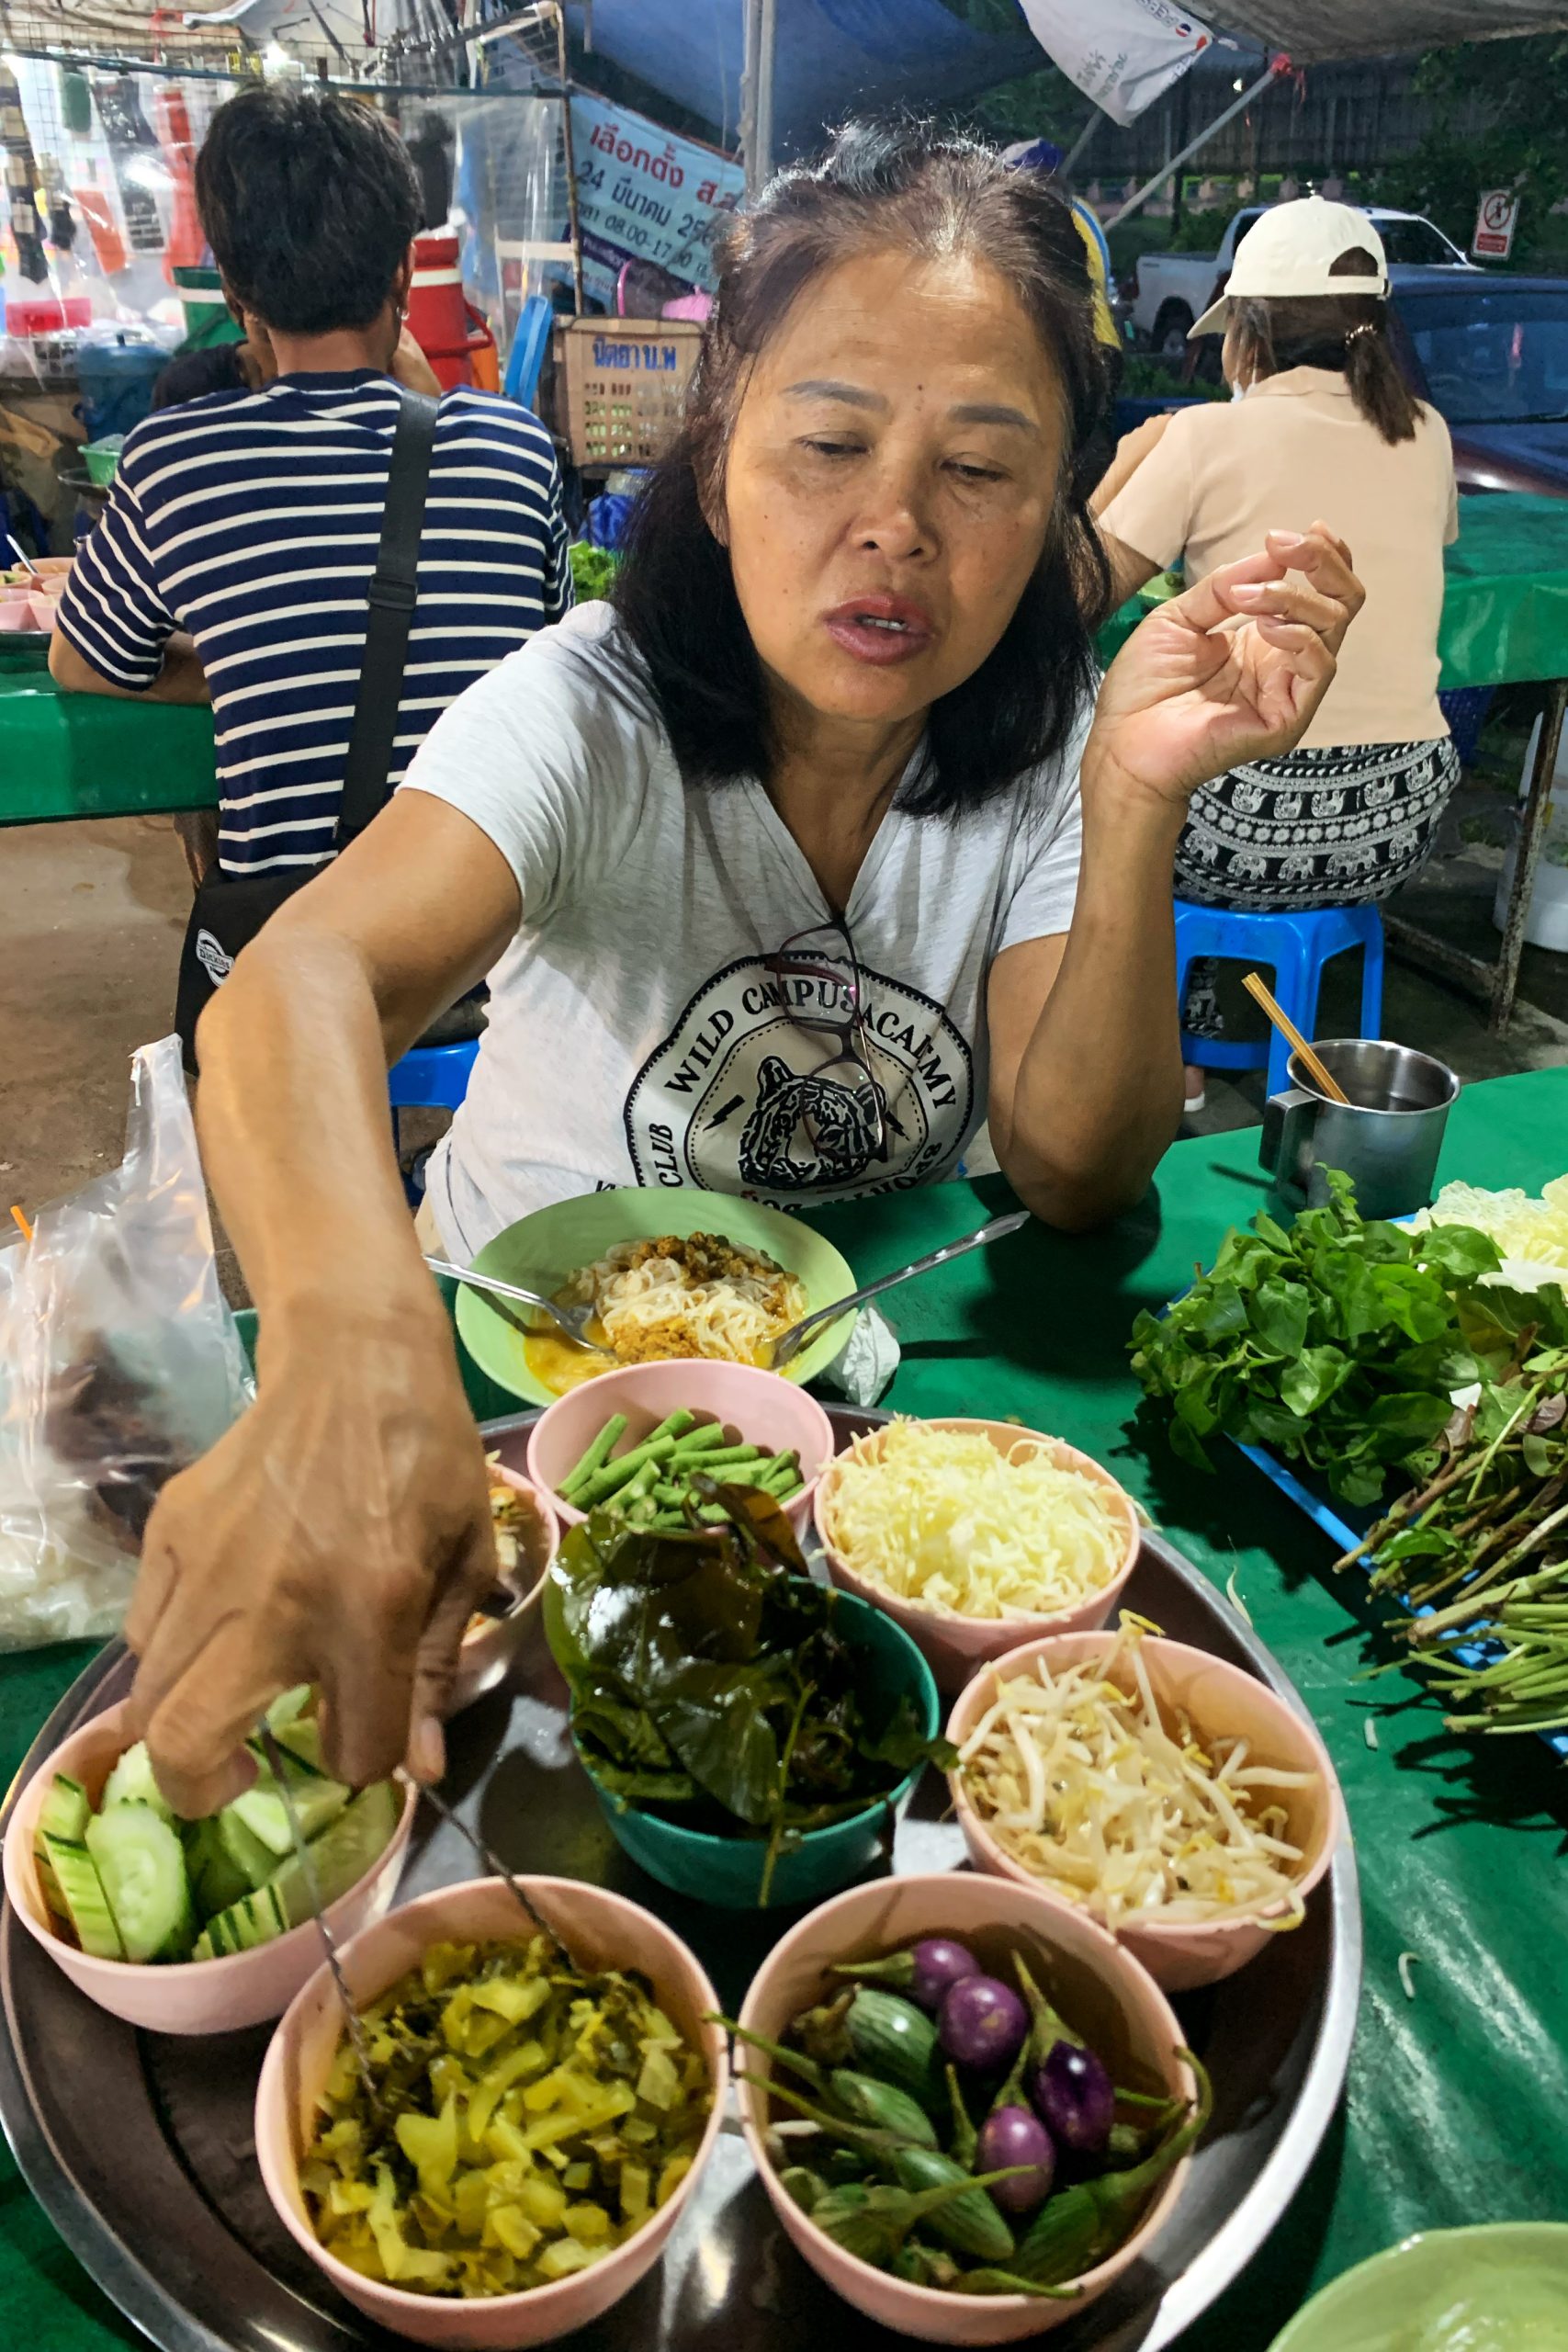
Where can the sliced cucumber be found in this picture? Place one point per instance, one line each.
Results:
(343, 1853)
(303, 1742)
(263, 1814)
(141, 1866)
(288, 1705)
(64, 1814)
(131, 1782)
(255, 1919)
(82, 1898)
(65, 1810)
(255, 1862)
(215, 1879)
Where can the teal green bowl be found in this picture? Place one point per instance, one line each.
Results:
(729, 1870)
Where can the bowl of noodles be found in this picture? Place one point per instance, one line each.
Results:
(669, 1275)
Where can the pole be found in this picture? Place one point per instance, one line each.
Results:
(1065, 168)
(574, 223)
(1277, 66)
(757, 114)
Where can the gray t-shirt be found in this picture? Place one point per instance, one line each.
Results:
(637, 1034)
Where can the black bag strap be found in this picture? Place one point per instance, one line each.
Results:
(393, 588)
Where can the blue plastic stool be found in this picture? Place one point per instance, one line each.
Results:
(429, 1078)
(1296, 947)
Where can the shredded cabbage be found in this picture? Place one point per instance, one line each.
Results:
(938, 1517)
(1080, 1777)
(1522, 1227)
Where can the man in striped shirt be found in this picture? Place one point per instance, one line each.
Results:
(233, 558)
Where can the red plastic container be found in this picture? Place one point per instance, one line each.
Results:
(46, 313)
(452, 335)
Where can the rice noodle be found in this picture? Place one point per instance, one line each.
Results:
(688, 1295)
(1081, 1779)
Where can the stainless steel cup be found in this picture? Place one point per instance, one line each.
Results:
(1386, 1138)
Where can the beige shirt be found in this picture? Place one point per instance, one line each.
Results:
(1293, 451)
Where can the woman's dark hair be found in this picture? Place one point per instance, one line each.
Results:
(1346, 331)
(309, 201)
(910, 188)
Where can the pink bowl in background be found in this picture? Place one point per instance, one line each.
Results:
(956, 1648)
(604, 1930)
(756, 1408)
(492, 1642)
(1221, 1701)
(1101, 1990)
(45, 610)
(192, 1996)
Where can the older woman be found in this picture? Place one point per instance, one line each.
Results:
(786, 872)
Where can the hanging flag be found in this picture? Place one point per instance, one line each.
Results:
(1122, 53)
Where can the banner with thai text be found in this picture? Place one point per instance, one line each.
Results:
(645, 194)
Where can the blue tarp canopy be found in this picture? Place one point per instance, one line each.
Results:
(832, 56)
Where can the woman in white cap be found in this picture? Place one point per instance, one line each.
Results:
(1321, 429)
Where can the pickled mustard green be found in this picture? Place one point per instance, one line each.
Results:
(533, 2119)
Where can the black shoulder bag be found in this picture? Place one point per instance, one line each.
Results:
(231, 909)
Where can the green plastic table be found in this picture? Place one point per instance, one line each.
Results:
(91, 756)
(1505, 623)
(1457, 2096)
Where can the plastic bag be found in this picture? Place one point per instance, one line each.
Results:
(120, 1364)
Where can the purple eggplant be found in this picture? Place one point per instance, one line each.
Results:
(1074, 2098)
(924, 1972)
(1013, 2136)
(982, 2024)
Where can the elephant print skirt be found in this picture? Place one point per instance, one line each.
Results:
(1330, 827)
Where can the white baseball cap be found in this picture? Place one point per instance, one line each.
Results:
(1290, 250)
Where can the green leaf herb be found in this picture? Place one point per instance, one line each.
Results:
(709, 1678)
(1339, 1343)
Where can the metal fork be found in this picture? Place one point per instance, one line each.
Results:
(572, 1320)
(789, 1343)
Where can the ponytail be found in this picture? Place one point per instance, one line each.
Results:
(1347, 332)
(1379, 390)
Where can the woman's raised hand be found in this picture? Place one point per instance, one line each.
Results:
(1230, 672)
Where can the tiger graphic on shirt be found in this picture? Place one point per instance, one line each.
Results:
(746, 1095)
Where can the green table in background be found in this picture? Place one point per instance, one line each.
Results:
(1457, 2096)
(94, 755)
(1505, 623)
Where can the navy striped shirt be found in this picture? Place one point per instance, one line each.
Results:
(252, 520)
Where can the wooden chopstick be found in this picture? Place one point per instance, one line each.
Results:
(1320, 1077)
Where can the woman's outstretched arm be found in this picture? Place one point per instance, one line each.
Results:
(340, 1532)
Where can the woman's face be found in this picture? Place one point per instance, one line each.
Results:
(890, 481)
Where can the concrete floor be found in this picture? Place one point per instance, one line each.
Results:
(92, 916)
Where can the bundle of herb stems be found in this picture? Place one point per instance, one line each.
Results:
(1491, 1530)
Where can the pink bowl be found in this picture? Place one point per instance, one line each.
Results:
(956, 1648)
(492, 1642)
(605, 1932)
(45, 610)
(1220, 1700)
(756, 1408)
(192, 1995)
(1101, 1990)
(16, 614)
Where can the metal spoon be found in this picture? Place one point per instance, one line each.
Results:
(572, 1320)
(789, 1344)
(302, 1855)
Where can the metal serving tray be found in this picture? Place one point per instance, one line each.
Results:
(138, 2146)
